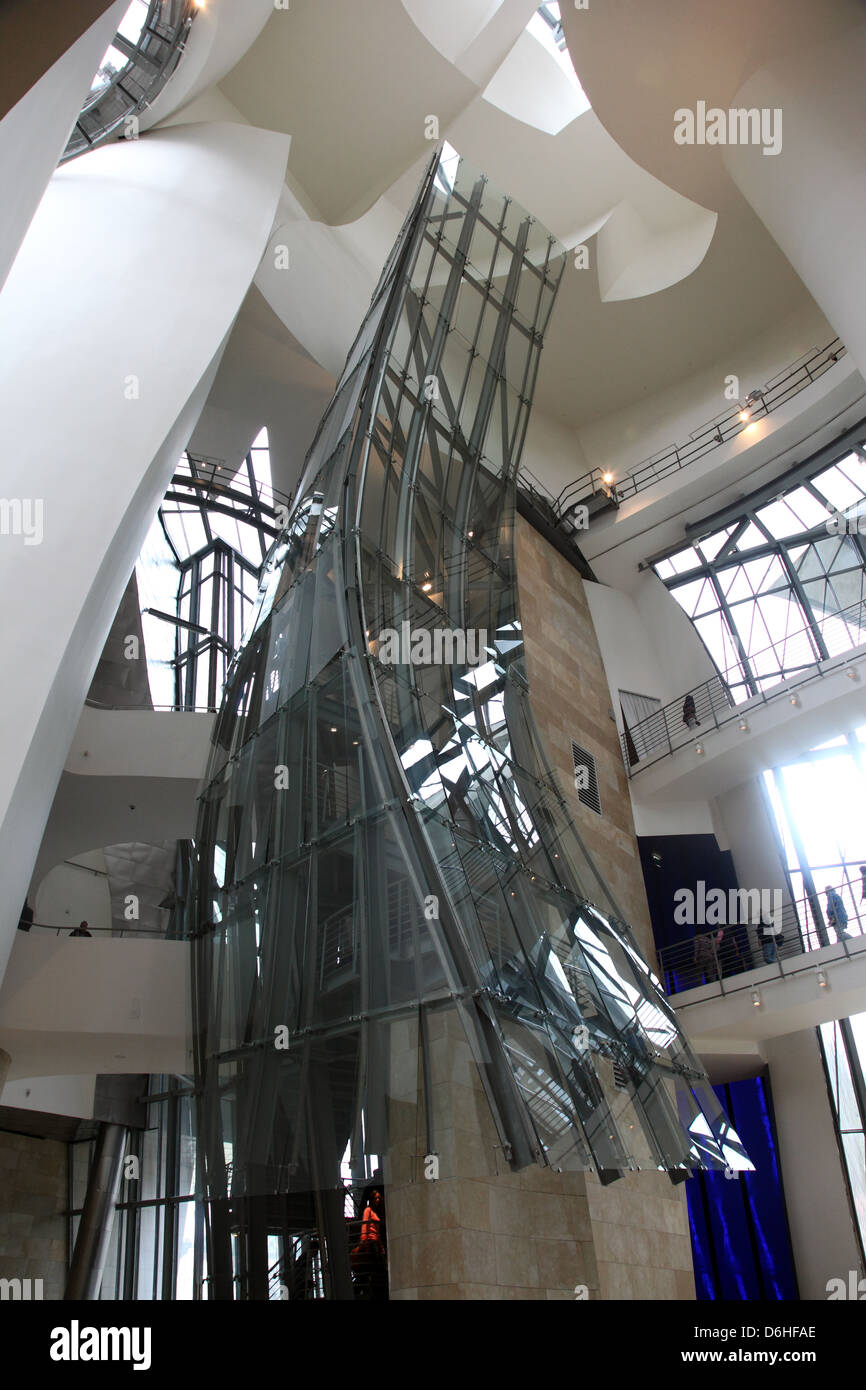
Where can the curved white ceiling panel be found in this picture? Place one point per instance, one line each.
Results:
(531, 86)
(451, 25)
(635, 259)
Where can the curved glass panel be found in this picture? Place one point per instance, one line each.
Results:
(405, 952)
(136, 65)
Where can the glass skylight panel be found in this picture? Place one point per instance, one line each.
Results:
(134, 21)
(837, 485)
(711, 545)
(261, 456)
(685, 560)
(750, 538)
(112, 63)
(552, 39)
(447, 171)
(797, 512)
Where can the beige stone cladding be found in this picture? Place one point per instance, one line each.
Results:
(537, 1234)
(32, 1202)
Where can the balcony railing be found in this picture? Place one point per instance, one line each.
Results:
(706, 959)
(733, 694)
(711, 435)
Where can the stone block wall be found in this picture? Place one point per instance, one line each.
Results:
(536, 1234)
(32, 1202)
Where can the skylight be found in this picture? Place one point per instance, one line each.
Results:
(114, 61)
(447, 171)
(546, 26)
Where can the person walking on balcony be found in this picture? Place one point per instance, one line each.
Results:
(837, 916)
(690, 714)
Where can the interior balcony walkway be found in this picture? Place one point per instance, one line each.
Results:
(730, 998)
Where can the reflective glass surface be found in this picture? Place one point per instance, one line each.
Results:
(404, 950)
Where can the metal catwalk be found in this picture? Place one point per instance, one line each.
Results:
(406, 960)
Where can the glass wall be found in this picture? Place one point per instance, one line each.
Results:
(199, 570)
(781, 585)
(818, 804)
(406, 958)
(844, 1046)
(157, 1242)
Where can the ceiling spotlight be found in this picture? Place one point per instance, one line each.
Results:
(699, 748)
(470, 534)
(745, 415)
(426, 587)
(852, 674)
(821, 977)
(795, 701)
(756, 998)
(744, 726)
(607, 478)
(333, 728)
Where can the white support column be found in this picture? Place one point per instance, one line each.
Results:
(111, 324)
(816, 1200)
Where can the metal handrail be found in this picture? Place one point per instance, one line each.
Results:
(152, 709)
(702, 959)
(776, 393)
(720, 699)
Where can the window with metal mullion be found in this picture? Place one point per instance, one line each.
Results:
(805, 605)
(748, 674)
(170, 1208)
(188, 701)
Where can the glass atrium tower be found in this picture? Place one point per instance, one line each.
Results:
(407, 965)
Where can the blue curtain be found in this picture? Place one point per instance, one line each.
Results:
(741, 1245)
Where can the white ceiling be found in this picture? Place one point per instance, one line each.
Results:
(355, 84)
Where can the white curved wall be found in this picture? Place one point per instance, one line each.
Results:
(134, 266)
(100, 1005)
(33, 134)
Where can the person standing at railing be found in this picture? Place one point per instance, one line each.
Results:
(706, 954)
(837, 916)
(770, 938)
(690, 714)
